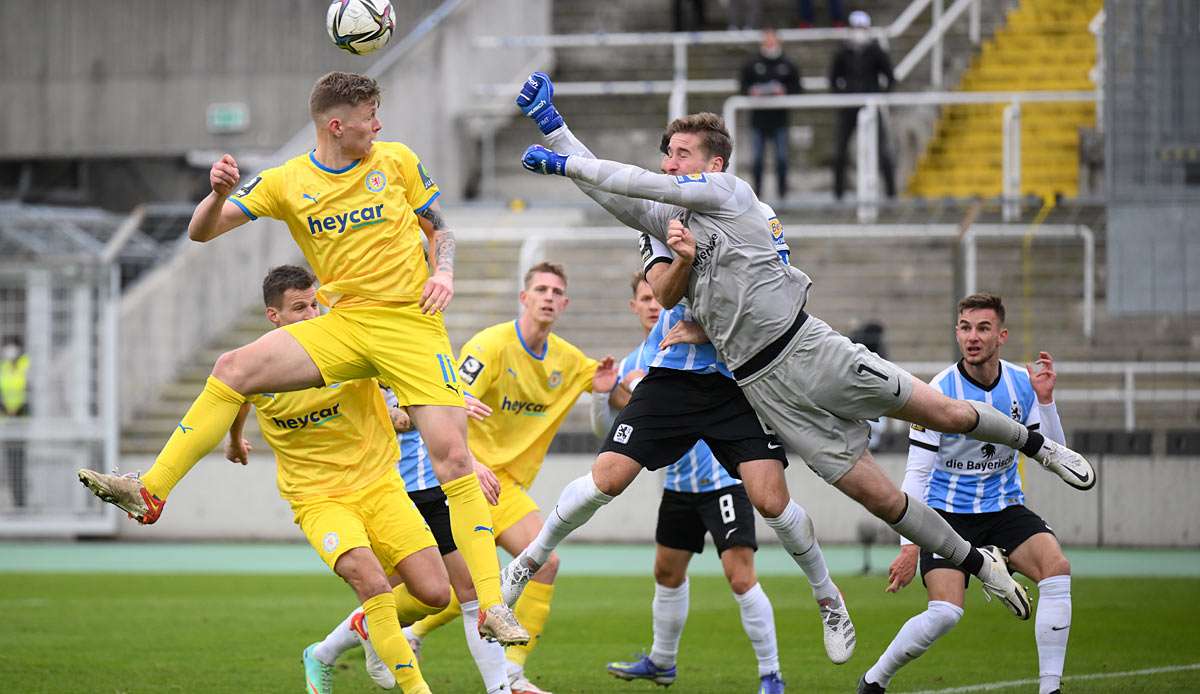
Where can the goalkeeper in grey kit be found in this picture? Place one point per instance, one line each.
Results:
(810, 386)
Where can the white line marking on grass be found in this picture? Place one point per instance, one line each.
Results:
(992, 686)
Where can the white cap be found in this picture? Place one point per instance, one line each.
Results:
(861, 19)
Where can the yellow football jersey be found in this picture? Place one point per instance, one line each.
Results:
(328, 441)
(529, 394)
(357, 226)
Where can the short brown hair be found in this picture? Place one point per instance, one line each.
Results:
(714, 137)
(548, 267)
(636, 281)
(282, 278)
(982, 301)
(341, 89)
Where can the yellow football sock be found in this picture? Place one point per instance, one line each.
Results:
(200, 430)
(383, 628)
(532, 611)
(471, 524)
(426, 626)
(409, 609)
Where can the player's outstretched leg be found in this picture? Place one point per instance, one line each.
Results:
(767, 488)
(610, 475)
(930, 408)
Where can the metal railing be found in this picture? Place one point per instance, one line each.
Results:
(868, 123)
(1127, 393)
(679, 86)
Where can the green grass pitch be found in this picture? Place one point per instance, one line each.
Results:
(212, 633)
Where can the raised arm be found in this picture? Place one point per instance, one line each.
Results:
(440, 287)
(215, 215)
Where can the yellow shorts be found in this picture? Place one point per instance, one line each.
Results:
(379, 516)
(408, 350)
(515, 504)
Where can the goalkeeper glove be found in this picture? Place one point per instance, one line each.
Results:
(536, 102)
(538, 159)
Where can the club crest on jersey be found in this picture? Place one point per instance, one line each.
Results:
(470, 370)
(691, 178)
(555, 379)
(1016, 411)
(330, 542)
(376, 181)
(622, 434)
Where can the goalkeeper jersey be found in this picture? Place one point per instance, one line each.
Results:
(529, 394)
(357, 226)
(328, 441)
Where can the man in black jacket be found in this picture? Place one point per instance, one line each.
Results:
(770, 73)
(860, 65)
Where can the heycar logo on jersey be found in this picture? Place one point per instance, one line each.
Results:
(315, 418)
(339, 221)
(535, 409)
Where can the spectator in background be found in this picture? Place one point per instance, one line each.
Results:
(688, 21)
(808, 18)
(860, 66)
(770, 73)
(744, 14)
(14, 402)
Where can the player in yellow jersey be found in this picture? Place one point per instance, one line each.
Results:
(521, 380)
(357, 209)
(335, 456)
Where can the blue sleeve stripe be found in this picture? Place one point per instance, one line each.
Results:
(428, 202)
(243, 208)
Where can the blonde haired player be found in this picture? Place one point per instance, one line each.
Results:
(357, 209)
(335, 455)
(522, 380)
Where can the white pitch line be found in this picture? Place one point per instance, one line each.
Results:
(992, 686)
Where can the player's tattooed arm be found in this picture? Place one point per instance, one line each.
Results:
(440, 287)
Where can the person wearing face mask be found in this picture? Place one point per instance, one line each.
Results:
(14, 402)
(770, 73)
(860, 66)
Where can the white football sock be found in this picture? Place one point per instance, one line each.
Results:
(576, 505)
(1051, 628)
(340, 640)
(758, 619)
(913, 639)
(488, 655)
(670, 610)
(795, 530)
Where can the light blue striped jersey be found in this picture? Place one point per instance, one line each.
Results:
(970, 476)
(698, 470)
(415, 465)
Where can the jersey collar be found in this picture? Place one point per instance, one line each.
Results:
(963, 372)
(545, 347)
(312, 156)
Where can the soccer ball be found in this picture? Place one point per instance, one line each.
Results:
(360, 26)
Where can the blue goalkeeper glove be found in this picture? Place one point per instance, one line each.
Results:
(538, 159)
(536, 102)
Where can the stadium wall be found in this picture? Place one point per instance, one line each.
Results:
(1139, 502)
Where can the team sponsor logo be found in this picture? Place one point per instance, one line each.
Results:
(470, 370)
(533, 409)
(691, 178)
(776, 229)
(245, 190)
(984, 465)
(340, 222)
(315, 418)
(376, 181)
(555, 379)
(705, 253)
(622, 434)
(330, 542)
(426, 179)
